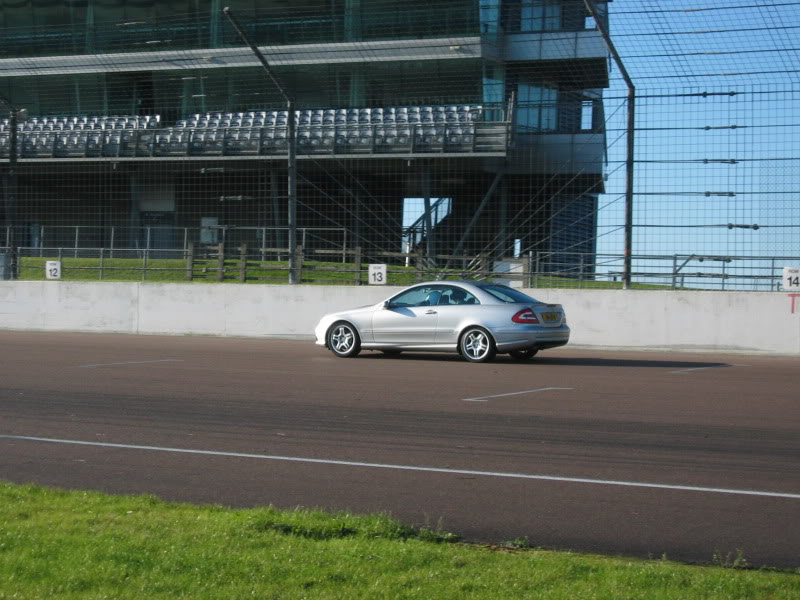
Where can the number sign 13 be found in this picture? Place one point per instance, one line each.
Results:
(377, 274)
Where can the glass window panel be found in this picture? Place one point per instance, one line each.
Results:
(18, 13)
(50, 13)
(537, 107)
(490, 16)
(540, 15)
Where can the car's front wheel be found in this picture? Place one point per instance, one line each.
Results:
(476, 345)
(343, 340)
(523, 354)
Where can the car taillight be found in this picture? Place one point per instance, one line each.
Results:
(526, 315)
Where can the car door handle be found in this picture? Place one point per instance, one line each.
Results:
(430, 312)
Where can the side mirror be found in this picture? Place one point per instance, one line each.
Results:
(386, 305)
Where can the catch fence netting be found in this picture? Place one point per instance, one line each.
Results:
(443, 138)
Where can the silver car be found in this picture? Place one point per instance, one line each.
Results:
(475, 319)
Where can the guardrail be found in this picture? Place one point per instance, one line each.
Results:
(78, 241)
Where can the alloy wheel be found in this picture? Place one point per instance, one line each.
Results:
(477, 346)
(343, 340)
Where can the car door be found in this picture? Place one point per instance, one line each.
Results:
(409, 318)
(456, 305)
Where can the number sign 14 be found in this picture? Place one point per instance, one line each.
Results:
(791, 278)
(377, 274)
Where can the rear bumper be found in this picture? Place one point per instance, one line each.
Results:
(540, 338)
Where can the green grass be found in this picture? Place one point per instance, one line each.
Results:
(87, 545)
(272, 272)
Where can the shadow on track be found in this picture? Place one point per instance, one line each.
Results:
(676, 365)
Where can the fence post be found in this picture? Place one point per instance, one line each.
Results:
(530, 268)
(357, 261)
(243, 263)
(420, 260)
(263, 243)
(190, 262)
(221, 261)
(101, 263)
(484, 261)
(723, 275)
(144, 266)
(299, 262)
(772, 280)
(674, 270)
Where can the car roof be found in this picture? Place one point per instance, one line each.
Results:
(473, 287)
(459, 282)
(476, 288)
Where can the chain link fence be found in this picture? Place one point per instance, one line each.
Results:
(462, 132)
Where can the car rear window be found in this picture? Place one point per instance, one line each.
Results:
(507, 294)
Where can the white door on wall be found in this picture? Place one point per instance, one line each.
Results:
(209, 230)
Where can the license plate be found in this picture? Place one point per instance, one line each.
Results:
(551, 317)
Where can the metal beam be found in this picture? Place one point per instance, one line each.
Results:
(291, 158)
(475, 217)
(11, 183)
(630, 156)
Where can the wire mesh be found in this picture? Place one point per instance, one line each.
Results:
(449, 138)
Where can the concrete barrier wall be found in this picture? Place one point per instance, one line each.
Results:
(636, 319)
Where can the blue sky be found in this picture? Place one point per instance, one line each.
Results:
(718, 127)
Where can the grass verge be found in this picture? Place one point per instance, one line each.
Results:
(272, 272)
(87, 545)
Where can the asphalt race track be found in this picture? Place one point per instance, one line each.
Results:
(636, 453)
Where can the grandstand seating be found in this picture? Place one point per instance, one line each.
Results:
(403, 129)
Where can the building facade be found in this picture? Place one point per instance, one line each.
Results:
(468, 126)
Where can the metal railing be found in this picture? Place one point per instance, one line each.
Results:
(674, 271)
(348, 265)
(85, 241)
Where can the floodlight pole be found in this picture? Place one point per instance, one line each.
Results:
(11, 189)
(629, 160)
(291, 166)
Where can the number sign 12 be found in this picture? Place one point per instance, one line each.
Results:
(377, 274)
(52, 269)
(791, 278)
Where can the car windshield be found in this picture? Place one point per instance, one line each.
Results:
(507, 294)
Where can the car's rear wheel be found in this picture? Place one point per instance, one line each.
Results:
(477, 345)
(343, 340)
(523, 354)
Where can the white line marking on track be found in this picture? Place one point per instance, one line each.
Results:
(132, 362)
(347, 463)
(484, 398)
(725, 366)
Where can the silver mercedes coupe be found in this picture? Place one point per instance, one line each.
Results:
(476, 319)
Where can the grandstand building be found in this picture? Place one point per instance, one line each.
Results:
(441, 126)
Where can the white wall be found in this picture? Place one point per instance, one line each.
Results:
(716, 321)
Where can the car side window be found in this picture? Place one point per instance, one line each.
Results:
(454, 296)
(506, 294)
(421, 296)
